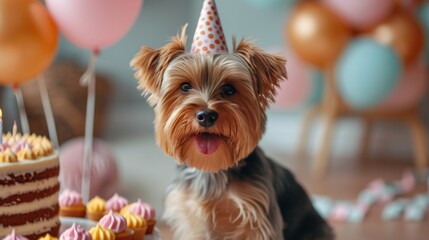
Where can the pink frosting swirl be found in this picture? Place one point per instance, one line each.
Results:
(116, 203)
(20, 145)
(143, 209)
(70, 198)
(114, 221)
(14, 236)
(75, 232)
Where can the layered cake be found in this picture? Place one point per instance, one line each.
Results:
(29, 186)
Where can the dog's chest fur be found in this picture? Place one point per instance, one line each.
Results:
(223, 205)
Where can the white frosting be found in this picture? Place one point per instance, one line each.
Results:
(6, 191)
(29, 166)
(33, 228)
(47, 202)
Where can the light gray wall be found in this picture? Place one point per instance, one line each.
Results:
(161, 19)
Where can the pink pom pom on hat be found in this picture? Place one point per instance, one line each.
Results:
(209, 38)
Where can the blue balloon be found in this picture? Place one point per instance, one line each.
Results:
(424, 19)
(367, 72)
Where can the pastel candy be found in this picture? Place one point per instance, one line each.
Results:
(393, 210)
(408, 182)
(341, 211)
(414, 212)
(422, 200)
(323, 205)
(357, 213)
(367, 196)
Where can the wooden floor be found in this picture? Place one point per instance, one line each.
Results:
(345, 179)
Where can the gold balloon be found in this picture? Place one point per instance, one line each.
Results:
(316, 34)
(402, 32)
(28, 40)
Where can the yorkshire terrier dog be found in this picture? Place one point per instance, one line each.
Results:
(210, 116)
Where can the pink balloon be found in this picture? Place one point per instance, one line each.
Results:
(94, 24)
(361, 14)
(104, 171)
(410, 88)
(296, 89)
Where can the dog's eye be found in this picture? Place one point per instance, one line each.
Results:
(185, 87)
(228, 90)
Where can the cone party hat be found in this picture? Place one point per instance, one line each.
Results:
(209, 38)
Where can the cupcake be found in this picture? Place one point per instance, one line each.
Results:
(137, 224)
(71, 204)
(146, 211)
(75, 232)
(101, 233)
(96, 208)
(14, 236)
(117, 223)
(116, 203)
(48, 237)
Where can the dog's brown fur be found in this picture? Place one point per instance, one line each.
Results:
(255, 75)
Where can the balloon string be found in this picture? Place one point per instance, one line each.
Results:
(21, 108)
(47, 109)
(88, 79)
(88, 75)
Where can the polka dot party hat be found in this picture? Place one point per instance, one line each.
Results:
(209, 38)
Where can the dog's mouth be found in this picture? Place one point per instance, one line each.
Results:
(207, 143)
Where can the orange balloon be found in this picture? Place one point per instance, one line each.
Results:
(316, 34)
(28, 40)
(402, 32)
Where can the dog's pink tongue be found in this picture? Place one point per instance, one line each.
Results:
(207, 143)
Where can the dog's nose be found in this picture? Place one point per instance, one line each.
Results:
(206, 118)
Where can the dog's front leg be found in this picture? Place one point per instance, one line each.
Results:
(185, 216)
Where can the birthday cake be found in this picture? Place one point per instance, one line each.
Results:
(29, 186)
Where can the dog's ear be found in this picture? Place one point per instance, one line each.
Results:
(267, 69)
(150, 65)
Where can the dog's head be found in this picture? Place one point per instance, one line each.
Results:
(209, 110)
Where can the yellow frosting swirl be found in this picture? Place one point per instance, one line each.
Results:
(26, 153)
(97, 204)
(48, 237)
(134, 221)
(31, 138)
(8, 156)
(38, 150)
(6, 137)
(46, 145)
(100, 233)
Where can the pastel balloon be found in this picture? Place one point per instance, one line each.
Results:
(28, 40)
(409, 90)
(316, 34)
(361, 14)
(295, 90)
(104, 171)
(403, 32)
(94, 24)
(366, 73)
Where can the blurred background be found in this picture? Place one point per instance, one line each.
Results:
(353, 109)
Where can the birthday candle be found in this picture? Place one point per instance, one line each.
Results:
(14, 131)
